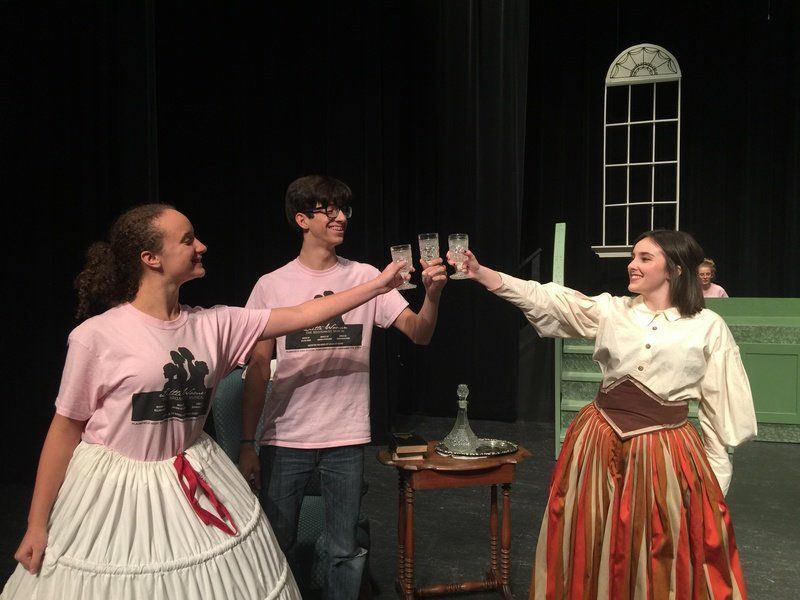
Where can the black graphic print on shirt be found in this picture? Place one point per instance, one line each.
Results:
(184, 395)
(333, 334)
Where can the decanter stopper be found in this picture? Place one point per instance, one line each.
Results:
(461, 439)
(462, 392)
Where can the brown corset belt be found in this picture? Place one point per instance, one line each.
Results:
(632, 409)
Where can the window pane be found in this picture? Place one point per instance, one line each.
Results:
(616, 145)
(615, 226)
(665, 180)
(640, 184)
(642, 102)
(617, 104)
(616, 182)
(666, 141)
(641, 143)
(667, 100)
(664, 216)
(639, 221)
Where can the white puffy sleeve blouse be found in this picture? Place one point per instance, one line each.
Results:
(678, 358)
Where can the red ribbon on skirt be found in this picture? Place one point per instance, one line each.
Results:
(190, 480)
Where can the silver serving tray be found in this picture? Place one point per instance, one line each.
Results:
(486, 447)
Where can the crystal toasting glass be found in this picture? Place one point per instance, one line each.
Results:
(403, 252)
(428, 246)
(458, 243)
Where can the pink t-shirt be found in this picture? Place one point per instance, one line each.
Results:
(145, 386)
(714, 291)
(320, 388)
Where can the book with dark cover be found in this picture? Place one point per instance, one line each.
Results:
(407, 443)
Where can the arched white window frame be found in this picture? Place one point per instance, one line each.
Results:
(639, 65)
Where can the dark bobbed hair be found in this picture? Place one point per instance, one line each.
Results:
(113, 270)
(305, 193)
(681, 250)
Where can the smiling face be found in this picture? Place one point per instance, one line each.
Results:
(321, 230)
(647, 272)
(705, 274)
(181, 256)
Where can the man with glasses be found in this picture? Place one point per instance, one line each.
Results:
(317, 416)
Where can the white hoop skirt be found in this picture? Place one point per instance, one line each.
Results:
(123, 529)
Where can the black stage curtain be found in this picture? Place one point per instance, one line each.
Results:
(78, 146)
(425, 108)
(419, 106)
(740, 133)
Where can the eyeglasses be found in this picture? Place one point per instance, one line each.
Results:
(332, 211)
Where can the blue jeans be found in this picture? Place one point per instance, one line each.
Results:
(284, 475)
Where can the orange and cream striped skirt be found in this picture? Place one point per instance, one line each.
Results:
(637, 519)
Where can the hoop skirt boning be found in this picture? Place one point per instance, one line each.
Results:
(124, 529)
(638, 519)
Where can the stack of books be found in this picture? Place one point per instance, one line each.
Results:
(407, 446)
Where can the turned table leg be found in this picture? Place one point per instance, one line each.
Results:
(401, 534)
(409, 541)
(505, 542)
(492, 574)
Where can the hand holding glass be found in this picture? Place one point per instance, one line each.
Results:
(428, 246)
(458, 243)
(403, 252)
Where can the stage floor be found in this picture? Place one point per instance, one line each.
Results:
(764, 500)
(452, 525)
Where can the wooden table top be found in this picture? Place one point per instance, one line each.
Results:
(435, 461)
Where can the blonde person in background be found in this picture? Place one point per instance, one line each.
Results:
(706, 273)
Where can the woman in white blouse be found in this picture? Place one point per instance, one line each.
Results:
(636, 507)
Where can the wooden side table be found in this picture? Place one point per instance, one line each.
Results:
(440, 472)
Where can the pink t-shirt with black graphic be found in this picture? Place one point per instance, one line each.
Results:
(320, 388)
(145, 386)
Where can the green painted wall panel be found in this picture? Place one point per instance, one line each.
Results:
(769, 334)
(757, 310)
(774, 373)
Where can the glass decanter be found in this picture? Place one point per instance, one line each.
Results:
(461, 439)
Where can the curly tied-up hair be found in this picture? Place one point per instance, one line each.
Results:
(681, 250)
(113, 270)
